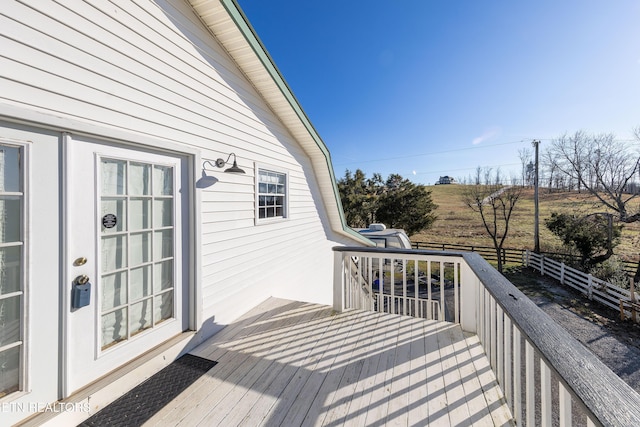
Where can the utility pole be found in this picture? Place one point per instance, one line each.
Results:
(536, 202)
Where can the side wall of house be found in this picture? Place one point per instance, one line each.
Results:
(151, 71)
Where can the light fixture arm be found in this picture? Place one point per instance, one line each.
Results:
(220, 163)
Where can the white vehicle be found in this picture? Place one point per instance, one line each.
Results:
(385, 237)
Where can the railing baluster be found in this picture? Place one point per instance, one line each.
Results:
(405, 298)
(517, 376)
(392, 287)
(545, 394)
(430, 314)
(565, 406)
(442, 303)
(456, 290)
(416, 278)
(530, 385)
(492, 332)
(500, 345)
(508, 360)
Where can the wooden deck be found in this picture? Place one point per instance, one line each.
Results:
(289, 363)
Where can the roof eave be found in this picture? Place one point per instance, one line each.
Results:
(232, 29)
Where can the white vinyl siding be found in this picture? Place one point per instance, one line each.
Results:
(150, 69)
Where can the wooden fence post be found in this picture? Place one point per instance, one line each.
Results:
(632, 288)
(562, 273)
(542, 265)
(590, 286)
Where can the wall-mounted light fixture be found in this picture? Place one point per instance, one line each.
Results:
(220, 163)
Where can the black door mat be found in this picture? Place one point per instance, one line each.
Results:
(145, 400)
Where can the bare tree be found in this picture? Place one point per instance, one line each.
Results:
(525, 158)
(495, 204)
(549, 163)
(603, 166)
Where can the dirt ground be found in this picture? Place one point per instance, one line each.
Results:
(615, 342)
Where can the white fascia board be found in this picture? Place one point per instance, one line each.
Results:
(231, 28)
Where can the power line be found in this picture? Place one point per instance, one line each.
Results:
(435, 152)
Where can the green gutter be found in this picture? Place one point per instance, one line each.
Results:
(241, 21)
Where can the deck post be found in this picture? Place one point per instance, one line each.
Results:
(338, 277)
(469, 285)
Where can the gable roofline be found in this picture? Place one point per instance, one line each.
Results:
(228, 23)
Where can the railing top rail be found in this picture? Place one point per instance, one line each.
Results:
(611, 400)
(397, 251)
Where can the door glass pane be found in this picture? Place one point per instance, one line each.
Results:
(10, 314)
(141, 316)
(140, 213)
(140, 248)
(163, 276)
(9, 370)
(163, 307)
(163, 244)
(10, 169)
(114, 177)
(139, 179)
(137, 253)
(10, 218)
(163, 212)
(141, 280)
(118, 208)
(114, 290)
(10, 269)
(114, 327)
(162, 181)
(114, 252)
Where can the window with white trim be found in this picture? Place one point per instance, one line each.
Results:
(12, 268)
(272, 194)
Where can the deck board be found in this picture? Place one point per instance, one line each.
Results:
(293, 363)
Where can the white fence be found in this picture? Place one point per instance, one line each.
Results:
(594, 288)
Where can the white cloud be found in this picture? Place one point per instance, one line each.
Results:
(487, 135)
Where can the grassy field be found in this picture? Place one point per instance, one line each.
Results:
(458, 224)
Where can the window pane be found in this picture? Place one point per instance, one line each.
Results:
(140, 244)
(139, 179)
(140, 316)
(140, 213)
(117, 207)
(10, 314)
(114, 290)
(10, 169)
(162, 181)
(9, 370)
(114, 328)
(10, 269)
(10, 218)
(114, 177)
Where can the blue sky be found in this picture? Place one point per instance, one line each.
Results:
(426, 88)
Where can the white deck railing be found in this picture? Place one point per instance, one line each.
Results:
(547, 377)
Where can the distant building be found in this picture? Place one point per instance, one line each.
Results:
(446, 180)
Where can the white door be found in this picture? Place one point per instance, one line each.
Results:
(126, 233)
